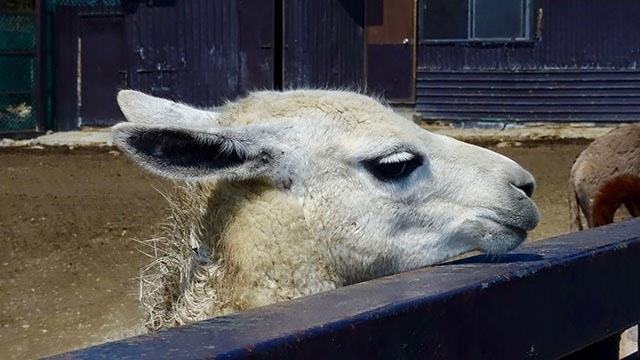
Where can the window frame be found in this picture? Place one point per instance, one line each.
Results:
(527, 24)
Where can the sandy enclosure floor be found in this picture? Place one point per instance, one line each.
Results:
(68, 263)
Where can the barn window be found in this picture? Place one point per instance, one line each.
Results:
(445, 21)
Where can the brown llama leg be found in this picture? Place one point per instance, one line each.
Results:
(604, 211)
(624, 189)
(585, 206)
(632, 203)
(633, 208)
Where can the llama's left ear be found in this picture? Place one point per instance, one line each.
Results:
(141, 108)
(187, 154)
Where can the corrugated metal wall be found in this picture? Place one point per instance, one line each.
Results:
(563, 95)
(583, 67)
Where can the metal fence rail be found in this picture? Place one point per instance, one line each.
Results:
(546, 300)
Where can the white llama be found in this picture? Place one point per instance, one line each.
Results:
(291, 193)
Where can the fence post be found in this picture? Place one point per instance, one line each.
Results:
(39, 86)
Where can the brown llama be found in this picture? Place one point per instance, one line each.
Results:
(606, 176)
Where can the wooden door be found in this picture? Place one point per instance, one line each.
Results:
(201, 52)
(102, 69)
(323, 43)
(390, 49)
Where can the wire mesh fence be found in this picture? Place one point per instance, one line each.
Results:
(18, 64)
(17, 84)
(87, 3)
(27, 63)
(92, 7)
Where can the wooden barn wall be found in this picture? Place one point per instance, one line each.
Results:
(324, 43)
(200, 51)
(196, 51)
(583, 67)
(204, 52)
(65, 88)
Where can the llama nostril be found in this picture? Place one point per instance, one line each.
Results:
(526, 188)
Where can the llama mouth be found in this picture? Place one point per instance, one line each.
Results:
(522, 220)
(499, 237)
(510, 227)
(516, 230)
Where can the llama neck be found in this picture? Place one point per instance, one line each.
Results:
(265, 247)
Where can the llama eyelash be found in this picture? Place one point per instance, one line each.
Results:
(397, 158)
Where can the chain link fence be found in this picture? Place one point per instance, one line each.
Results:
(87, 3)
(19, 84)
(18, 64)
(92, 7)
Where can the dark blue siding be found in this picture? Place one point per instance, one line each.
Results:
(581, 67)
(199, 51)
(324, 43)
(562, 95)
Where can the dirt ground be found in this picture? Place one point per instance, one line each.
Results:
(69, 264)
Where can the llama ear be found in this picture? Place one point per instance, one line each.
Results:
(187, 154)
(145, 109)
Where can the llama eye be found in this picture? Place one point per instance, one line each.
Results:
(393, 167)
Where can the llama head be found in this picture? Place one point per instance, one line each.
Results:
(381, 194)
